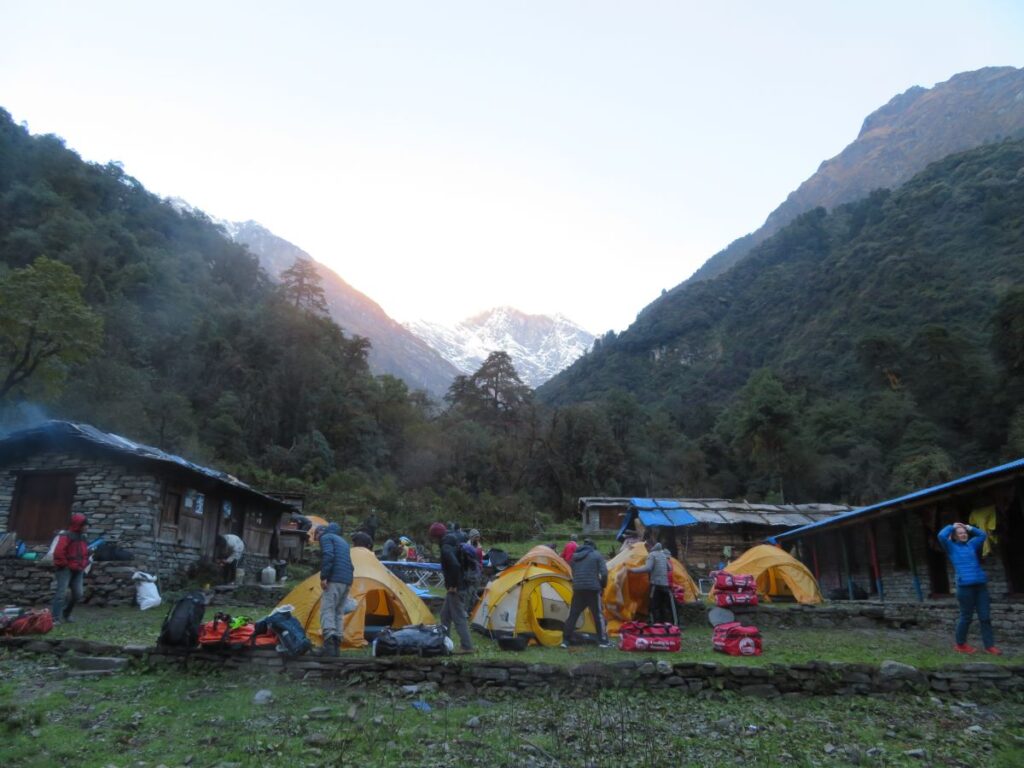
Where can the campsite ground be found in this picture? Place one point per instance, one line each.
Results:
(145, 719)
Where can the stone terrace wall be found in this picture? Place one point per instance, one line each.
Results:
(642, 672)
(28, 583)
(1007, 617)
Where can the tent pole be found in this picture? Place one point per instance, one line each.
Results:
(874, 561)
(910, 560)
(846, 565)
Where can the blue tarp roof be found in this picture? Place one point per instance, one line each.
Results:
(656, 513)
(916, 495)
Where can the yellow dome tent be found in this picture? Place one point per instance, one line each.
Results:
(778, 574)
(530, 600)
(627, 594)
(382, 600)
(546, 556)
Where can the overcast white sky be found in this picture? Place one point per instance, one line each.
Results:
(447, 157)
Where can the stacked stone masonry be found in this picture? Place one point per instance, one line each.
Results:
(688, 678)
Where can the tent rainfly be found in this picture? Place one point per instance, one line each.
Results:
(778, 574)
(382, 600)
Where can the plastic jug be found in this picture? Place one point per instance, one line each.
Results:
(268, 575)
(240, 576)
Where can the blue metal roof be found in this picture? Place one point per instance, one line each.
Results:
(656, 513)
(655, 504)
(934, 490)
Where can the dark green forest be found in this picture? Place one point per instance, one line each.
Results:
(857, 353)
(854, 354)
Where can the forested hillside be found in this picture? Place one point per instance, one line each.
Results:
(854, 353)
(868, 350)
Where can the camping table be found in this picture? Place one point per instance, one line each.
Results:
(427, 575)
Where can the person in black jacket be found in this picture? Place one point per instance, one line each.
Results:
(454, 610)
(589, 578)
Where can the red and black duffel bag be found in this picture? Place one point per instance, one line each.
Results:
(725, 599)
(28, 621)
(640, 636)
(736, 640)
(734, 582)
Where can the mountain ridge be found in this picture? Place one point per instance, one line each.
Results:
(394, 350)
(540, 345)
(895, 142)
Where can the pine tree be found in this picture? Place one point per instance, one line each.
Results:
(303, 287)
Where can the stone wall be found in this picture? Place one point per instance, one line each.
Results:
(933, 615)
(636, 673)
(27, 583)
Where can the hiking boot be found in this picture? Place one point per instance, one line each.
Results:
(605, 644)
(563, 644)
(993, 650)
(332, 645)
(964, 648)
(68, 620)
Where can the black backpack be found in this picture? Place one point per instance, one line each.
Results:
(291, 637)
(181, 627)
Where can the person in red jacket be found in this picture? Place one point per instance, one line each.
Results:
(70, 559)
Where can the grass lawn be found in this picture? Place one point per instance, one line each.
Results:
(149, 719)
(124, 626)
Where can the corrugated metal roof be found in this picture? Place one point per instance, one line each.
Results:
(54, 430)
(921, 495)
(728, 512)
(671, 518)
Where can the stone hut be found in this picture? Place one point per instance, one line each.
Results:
(890, 550)
(164, 510)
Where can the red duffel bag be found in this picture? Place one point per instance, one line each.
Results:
(734, 582)
(29, 621)
(725, 599)
(736, 640)
(640, 636)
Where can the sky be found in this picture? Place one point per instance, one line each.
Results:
(448, 157)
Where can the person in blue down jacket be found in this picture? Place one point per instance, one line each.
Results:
(336, 574)
(962, 543)
(589, 577)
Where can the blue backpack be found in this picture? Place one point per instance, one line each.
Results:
(291, 637)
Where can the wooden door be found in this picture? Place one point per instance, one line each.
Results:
(42, 505)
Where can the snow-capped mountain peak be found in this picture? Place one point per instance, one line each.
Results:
(540, 345)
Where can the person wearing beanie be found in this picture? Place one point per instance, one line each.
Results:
(336, 575)
(70, 559)
(962, 544)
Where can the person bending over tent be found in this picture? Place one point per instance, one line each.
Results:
(589, 577)
(662, 602)
(336, 573)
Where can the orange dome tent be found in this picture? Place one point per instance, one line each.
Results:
(382, 600)
(627, 594)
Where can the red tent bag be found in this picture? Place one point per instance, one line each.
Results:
(734, 582)
(640, 636)
(725, 599)
(736, 640)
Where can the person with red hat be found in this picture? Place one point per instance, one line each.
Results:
(70, 559)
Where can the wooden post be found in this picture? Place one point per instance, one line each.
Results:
(910, 559)
(874, 561)
(846, 564)
(814, 556)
